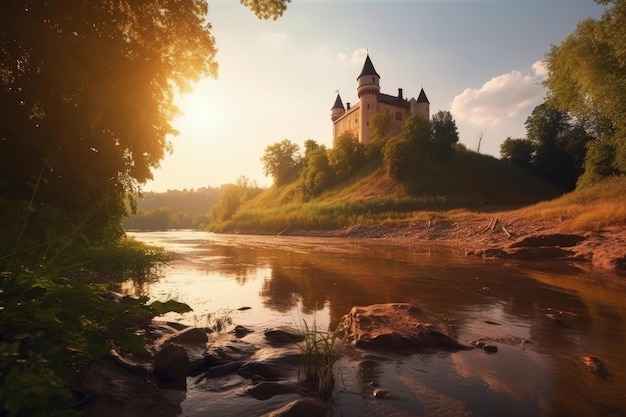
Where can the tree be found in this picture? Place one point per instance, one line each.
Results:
(418, 131)
(587, 77)
(380, 126)
(445, 132)
(281, 160)
(560, 145)
(518, 151)
(316, 171)
(346, 155)
(266, 9)
(554, 148)
(88, 94)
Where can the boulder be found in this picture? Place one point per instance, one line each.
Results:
(284, 334)
(398, 327)
(171, 364)
(194, 340)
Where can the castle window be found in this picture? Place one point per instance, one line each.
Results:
(398, 116)
(368, 106)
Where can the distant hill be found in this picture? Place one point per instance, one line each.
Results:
(173, 209)
(192, 201)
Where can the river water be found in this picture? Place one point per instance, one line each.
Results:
(544, 318)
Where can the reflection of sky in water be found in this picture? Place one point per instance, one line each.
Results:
(536, 371)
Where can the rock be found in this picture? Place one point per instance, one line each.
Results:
(241, 331)
(113, 391)
(594, 365)
(397, 326)
(304, 407)
(228, 350)
(187, 336)
(284, 334)
(380, 393)
(271, 368)
(266, 390)
(194, 340)
(484, 346)
(220, 370)
(171, 365)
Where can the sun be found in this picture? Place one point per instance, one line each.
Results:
(202, 112)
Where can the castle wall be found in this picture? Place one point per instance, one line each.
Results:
(398, 117)
(349, 122)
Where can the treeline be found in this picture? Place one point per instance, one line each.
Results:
(165, 218)
(577, 138)
(173, 209)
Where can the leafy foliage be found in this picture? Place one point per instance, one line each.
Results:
(445, 132)
(281, 160)
(88, 95)
(346, 155)
(266, 9)
(232, 197)
(403, 154)
(317, 173)
(52, 324)
(587, 77)
(554, 148)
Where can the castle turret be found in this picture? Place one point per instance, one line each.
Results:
(421, 106)
(337, 110)
(368, 88)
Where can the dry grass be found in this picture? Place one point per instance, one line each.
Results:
(589, 209)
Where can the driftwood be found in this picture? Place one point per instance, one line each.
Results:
(492, 224)
(506, 232)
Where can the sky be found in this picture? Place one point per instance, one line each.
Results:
(482, 60)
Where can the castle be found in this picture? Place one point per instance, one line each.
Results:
(355, 119)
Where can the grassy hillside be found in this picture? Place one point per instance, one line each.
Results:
(462, 181)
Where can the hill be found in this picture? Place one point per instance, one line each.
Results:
(461, 181)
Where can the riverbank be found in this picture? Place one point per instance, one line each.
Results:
(504, 236)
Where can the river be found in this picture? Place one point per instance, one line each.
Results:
(544, 318)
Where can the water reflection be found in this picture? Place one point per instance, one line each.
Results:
(538, 368)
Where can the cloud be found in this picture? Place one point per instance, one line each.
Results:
(501, 98)
(355, 59)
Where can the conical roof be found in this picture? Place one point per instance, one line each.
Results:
(338, 103)
(368, 68)
(422, 97)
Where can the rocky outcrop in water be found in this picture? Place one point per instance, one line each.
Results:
(399, 327)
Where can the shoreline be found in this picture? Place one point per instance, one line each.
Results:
(602, 251)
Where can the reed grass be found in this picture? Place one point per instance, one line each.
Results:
(319, 353)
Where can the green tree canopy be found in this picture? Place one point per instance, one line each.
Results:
(346, 155)
(87, 95)
(587, 77)
(518, 151)
(445, 132)
(554, 148)
(281, 160)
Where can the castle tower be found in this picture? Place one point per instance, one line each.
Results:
(421, 106)
(337, 110)
(368, 87)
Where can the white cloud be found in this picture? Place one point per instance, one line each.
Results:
(500, 99)
(540, 68)
(356, 58)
